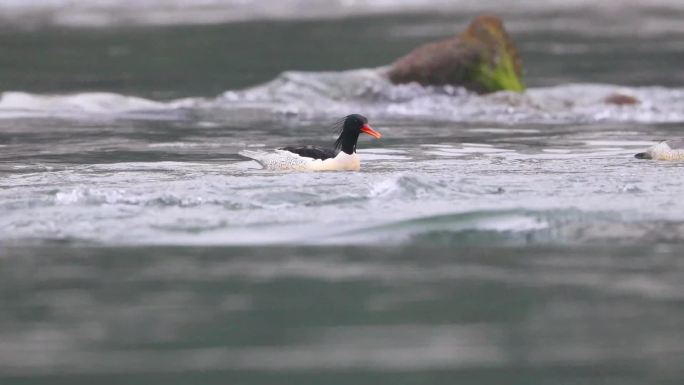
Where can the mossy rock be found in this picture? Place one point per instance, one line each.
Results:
(483, 59)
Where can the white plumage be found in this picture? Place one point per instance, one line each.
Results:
(282, 160)
(667, 150)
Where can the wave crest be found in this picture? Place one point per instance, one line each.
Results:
(325, 95)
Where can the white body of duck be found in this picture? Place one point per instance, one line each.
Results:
(666, 150)
(283, 160)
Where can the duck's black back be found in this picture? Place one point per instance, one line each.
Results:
(312, 152)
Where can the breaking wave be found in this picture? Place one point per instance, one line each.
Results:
(324, 95)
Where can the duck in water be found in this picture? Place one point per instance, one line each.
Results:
(666, 150)
(341, 156)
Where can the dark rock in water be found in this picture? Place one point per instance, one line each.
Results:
(621, 99)
(482, 58)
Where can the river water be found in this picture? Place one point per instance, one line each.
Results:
(487, 239)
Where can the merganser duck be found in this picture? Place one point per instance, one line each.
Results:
(341, 157)
(666, 150)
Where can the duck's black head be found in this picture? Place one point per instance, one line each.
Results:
(352, 127)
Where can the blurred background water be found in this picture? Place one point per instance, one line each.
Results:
(488, 239)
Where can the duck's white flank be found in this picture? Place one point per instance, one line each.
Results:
(667, 150)
(281, 160)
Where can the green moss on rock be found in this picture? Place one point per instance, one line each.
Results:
(502, 77)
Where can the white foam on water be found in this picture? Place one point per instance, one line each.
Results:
(95, 102)
(327, 95)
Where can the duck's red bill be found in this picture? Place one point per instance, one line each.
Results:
(368, 130)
